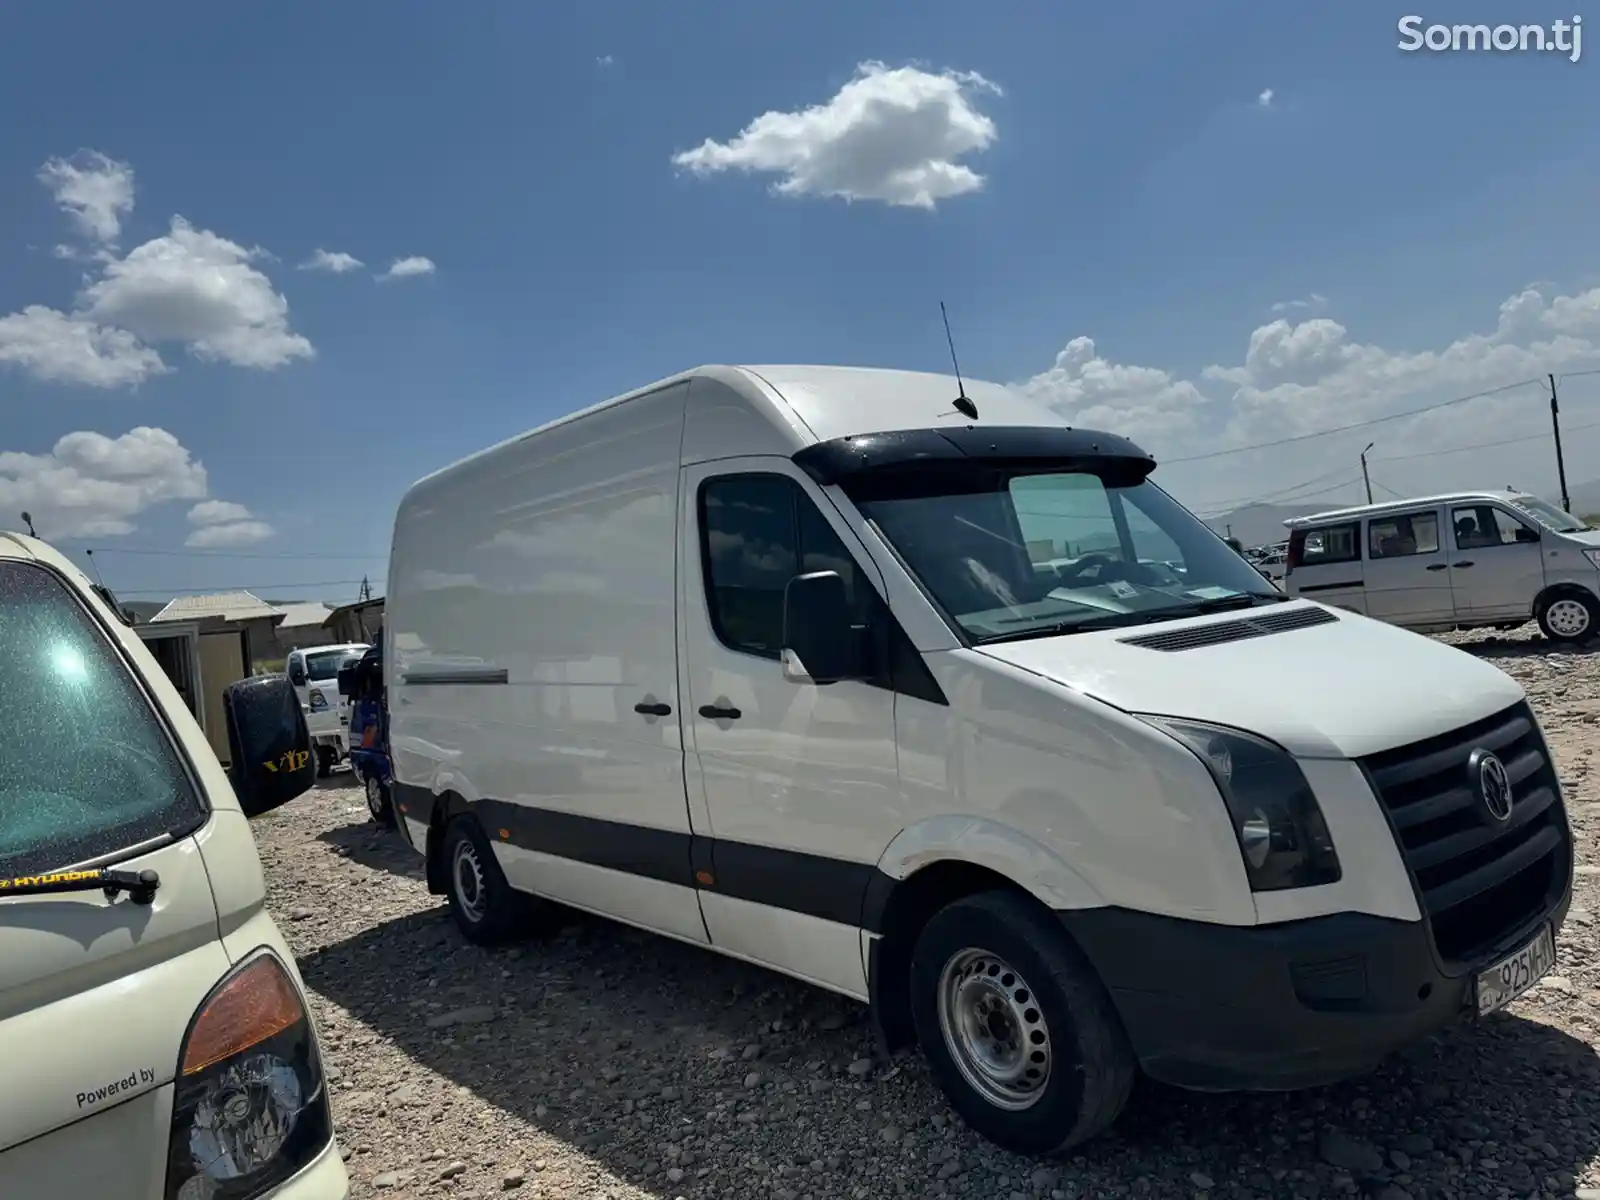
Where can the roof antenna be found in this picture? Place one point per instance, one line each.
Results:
(964, 406)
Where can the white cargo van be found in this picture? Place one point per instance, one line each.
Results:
(965, 717)
(315, 676)
(154, 1031)
(1457, 561)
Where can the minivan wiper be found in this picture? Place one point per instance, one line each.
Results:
(140, 885)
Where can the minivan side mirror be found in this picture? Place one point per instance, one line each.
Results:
(268, 742)
(1524, 534)
(820, 645)
(297, 675)
(347, 680)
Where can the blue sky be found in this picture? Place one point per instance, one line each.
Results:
(1111, 173)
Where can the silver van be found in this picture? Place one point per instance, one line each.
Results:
(1455, 561)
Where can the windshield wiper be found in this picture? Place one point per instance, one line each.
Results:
(140, 885)
(1145, 616)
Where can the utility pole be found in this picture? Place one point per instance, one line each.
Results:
(1365, 478)
(1561, 462)
(366, 590)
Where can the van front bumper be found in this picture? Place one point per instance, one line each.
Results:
(1275, 1007)
(323, 1179)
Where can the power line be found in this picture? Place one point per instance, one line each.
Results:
(1305, 437)
(1494, 445)
(238, 587)
(235, 554)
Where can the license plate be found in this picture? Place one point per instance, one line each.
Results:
(1516, 973)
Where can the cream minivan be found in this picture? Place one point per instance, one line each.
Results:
(154, 1030)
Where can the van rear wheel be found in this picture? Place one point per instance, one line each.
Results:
(378, 803)
(1018, 1030)
(1568, 616)
(486, 908)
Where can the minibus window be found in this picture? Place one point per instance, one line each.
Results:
(86, 768)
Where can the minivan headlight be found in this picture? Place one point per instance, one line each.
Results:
(251, 1108)
(1593, 556)
(319, 702)
(1282, 834)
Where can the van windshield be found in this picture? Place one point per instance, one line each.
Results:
(325, 664)
(1549, 515)
(86, 769)
(1013, 554)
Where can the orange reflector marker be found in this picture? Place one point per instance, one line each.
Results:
(505, 835)
(705, 877)
(403, 808)
(256, 1004)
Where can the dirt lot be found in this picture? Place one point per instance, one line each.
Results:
(613, 1064)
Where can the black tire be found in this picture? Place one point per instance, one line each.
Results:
(498, 913)
(379, 803)
(1045, 981)
(325, 760)
(1559, 618)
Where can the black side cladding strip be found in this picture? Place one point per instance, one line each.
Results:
(829, 889)
(1330, 587)
(471, 675)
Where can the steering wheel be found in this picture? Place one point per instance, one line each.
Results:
(1095, 560)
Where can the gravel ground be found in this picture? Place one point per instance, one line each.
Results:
(614, 1064)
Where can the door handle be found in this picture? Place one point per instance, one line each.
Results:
(715, 712)
(1436, 567)
(653, 709)
(1464, 565)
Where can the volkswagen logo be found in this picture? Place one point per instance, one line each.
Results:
(1492, 783)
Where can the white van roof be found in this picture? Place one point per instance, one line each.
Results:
(1336, 516)
(820, 403)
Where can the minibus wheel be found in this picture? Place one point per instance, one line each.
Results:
(1569, 615)
(378, 800)
(1018, 1030)
(486, 908)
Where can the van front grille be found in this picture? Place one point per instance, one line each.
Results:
(1480, 879)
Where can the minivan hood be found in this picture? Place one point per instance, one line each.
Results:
(1344, 689)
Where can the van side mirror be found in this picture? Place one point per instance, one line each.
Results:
(347, 680)
(268, 742)
(1524, 534)
(820, 645)
(297, 675)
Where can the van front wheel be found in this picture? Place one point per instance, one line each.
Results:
(1568, 616)
(1018, 1030)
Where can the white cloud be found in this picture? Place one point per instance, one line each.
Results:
(217, 512)
(890, 135)
(1315, 302)
(96, 191)
(1311, 376)
(335, 261)
(197, 288)
(58, 348)
(406, 268)
(233, 533)
(1265, 98)
(89, 484)
(604, 60)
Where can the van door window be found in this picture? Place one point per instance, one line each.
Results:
(1402, 536)
(1330, 544)
(1478, 526)
(86, 768)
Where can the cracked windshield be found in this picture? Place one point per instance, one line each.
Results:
(799, 602)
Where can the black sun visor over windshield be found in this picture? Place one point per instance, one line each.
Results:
(1116, 460)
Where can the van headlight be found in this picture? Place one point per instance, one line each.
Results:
(319, 702)
(251, 1109)
(1282, 834)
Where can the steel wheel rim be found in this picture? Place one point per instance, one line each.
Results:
(994, 1029)
(1569, 618)
(467, 873)
(374, 796)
